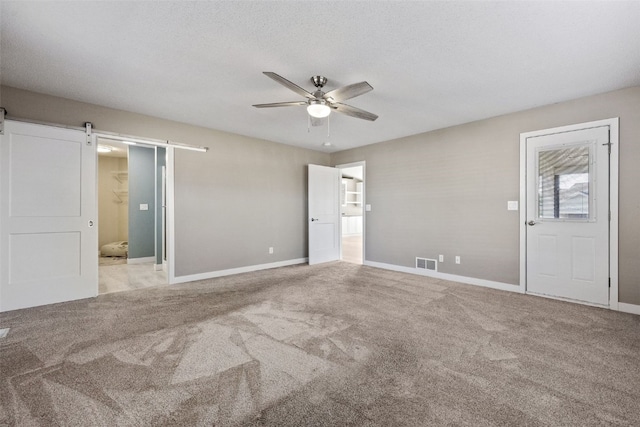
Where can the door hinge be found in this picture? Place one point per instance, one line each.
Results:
(608, 144)
(88, 127)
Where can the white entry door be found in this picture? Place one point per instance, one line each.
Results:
(324, 214)
(568, 215)
(48, 230)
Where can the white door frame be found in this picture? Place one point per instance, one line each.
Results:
(364, 204)
(170, 215)
(613, 200)
(169, 268)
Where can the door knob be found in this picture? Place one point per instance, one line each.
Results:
(532, 222)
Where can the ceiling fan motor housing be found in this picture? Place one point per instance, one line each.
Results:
(319, 81)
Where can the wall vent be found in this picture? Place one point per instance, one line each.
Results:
(427, 264)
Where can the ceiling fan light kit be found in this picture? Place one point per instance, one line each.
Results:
(319, 103)
(318, 108)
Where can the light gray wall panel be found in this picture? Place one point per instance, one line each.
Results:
(446, 191)
(248, 196)
(141, 191)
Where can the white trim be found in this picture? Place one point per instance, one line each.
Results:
(114, 136)
(39, 122)
(141, 260)
(170, 217)
(629, 308)
(613, 124)
(157, 267)
(231, 271)
(158, 203)
(446, 276)
(614, 160)
(96, 181)
(523, 213)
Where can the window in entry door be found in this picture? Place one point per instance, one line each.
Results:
(565, 182)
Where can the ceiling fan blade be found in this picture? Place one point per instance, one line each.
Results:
(284, 82)
(348, 92)
(281, 104)
(353, 111)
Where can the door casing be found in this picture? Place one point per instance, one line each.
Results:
(613, 125)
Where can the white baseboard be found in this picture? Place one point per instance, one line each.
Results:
(231, 271)
(621, 306)
(446, 276)
(629, 308)
(143, 260)
(157, 267)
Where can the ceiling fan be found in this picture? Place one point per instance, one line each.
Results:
(319, 104)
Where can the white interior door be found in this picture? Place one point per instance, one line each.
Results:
(324, 214)
(48, 230)
(568, 215)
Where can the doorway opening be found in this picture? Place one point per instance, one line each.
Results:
(131, 216)
(352, 212)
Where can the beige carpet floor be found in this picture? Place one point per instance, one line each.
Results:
(328, 345)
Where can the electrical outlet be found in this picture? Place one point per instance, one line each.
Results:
(270, 250)
(457, 259)
(440, 258)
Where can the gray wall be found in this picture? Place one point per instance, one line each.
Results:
(439, 192)
(239, 199)
(232, 202)
(141, 191)
(446, 191)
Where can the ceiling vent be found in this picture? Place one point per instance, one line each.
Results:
(426, 264)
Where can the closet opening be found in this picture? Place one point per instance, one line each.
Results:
(131, 216)
(352, 212)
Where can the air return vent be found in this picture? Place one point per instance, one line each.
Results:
(426, 264)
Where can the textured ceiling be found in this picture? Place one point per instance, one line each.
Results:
(432, 64)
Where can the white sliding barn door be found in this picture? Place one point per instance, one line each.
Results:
(324, 214)
(48, 227)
